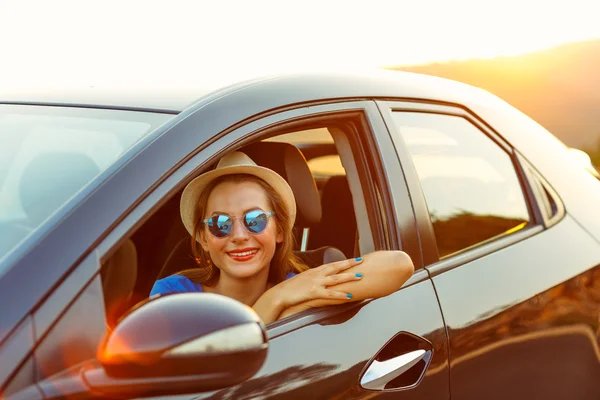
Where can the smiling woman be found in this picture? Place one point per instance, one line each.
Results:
(242, 216)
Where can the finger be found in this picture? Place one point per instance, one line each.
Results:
(341, 278)
(338, 266)
(336, 295)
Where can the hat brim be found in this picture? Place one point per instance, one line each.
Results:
(192, 192)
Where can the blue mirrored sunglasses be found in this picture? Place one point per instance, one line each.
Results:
(255, 221)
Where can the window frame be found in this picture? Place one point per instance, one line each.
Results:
(424, 225)
(542, 192)
(371, 151)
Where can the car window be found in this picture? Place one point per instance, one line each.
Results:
(49, 153)
(161, 246)
(469, 182)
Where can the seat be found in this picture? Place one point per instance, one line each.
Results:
(119, 274)
(289, 162)
(337, 226)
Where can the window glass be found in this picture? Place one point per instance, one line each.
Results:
(49, 153)
(469, 182)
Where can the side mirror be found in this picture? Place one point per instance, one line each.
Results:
(182, 343)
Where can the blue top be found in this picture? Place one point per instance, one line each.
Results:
(181, 284)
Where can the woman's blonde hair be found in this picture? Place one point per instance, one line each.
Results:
(284, 260)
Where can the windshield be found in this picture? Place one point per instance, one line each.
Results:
(47, 154)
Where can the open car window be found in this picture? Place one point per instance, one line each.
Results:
(161, 246)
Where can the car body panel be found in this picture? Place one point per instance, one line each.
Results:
(531, 306)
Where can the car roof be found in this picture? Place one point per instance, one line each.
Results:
(174, 98)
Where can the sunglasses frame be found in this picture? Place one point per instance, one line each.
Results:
(269, 214)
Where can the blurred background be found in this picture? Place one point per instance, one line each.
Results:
(541, 56)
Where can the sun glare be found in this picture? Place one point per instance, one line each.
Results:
(123, 42)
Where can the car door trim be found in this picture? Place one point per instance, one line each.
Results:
(482, 250)
(15, 351)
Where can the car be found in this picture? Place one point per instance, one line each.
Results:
(500, 220)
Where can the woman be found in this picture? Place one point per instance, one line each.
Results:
(241, 215)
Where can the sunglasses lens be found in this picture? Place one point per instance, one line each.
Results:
(256, 221)
(219, 225)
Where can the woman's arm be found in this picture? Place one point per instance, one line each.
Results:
(314, 284)
(383, 272)
(269, 306)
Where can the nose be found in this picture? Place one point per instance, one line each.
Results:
(238, 232)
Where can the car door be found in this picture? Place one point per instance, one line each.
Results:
(320, 353)
(517, 276)
(325, 353)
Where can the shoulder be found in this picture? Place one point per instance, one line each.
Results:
(175, 284)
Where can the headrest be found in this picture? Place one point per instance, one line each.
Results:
(287, 160)
(50, 179)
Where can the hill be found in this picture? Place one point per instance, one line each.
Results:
(558, 87)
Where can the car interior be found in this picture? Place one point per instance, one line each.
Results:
(325, 227)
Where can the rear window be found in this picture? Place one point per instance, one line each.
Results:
(48, 154)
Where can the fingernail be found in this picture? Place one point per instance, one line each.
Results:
(358, 275)
(359, 259)
(349, 295)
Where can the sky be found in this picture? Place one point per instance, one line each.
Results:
(85, 42)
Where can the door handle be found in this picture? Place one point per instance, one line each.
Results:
(381, 373)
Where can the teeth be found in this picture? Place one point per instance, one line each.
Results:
(245, 253)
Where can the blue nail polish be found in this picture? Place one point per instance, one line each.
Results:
(349, 295)
(358, 275)
(358, 259)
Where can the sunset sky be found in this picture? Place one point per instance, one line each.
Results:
(63, 42)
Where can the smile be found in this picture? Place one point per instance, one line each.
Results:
(243, 253)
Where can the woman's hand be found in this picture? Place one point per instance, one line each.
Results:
(317, 283)
(384, 272)
(314, 284)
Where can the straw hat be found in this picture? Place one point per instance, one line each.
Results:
(233, 163)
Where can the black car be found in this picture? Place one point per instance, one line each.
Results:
(501, 222)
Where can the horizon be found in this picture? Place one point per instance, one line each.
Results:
(499, 56)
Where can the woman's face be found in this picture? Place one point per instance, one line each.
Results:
(240, 254)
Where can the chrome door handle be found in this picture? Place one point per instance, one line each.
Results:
(381, 373)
